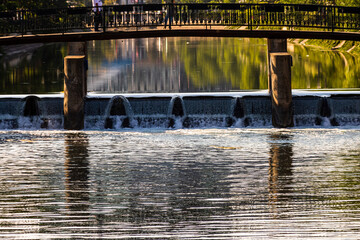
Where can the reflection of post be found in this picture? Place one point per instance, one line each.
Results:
(280, 161)
(76, 171)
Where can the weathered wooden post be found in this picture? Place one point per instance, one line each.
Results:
(281, 97)
(275, 45)
(74, 69)
(79, 48)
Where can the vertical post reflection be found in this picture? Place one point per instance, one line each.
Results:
(76, 171)
(280, 163)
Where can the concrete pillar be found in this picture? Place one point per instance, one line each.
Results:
(74, 92)
(79, 48)
(281, 97)
(275, 45)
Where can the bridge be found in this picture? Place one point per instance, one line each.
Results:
(277, 22)
(210, 20)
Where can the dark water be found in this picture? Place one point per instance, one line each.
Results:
(177, 65)
(180, 184)
(36, 70)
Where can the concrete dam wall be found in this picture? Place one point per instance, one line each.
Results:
(206, 110)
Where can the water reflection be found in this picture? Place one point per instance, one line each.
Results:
(209, 65)
(280, 168)
(149, 194)
(135, 65)
(177, 65)
(174, 65)
(180, 184)
(34, 70)
(316, 68)
(76, 172)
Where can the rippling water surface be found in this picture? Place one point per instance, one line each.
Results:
(180, 184)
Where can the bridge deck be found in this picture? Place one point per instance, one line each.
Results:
(176, 31)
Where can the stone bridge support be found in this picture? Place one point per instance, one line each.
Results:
(280, 63)
(75, 87)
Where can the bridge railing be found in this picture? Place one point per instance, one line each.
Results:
(249, 16)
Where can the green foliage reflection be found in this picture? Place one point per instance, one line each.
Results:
(316, 68)
(242, 64)
(211, 61)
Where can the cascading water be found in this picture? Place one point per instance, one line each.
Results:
(345, 110)
(150, 112)
(306, 111)
(206, 111)
(117, 113)
(257, 111)
(188, 111)
(96, 111)
(31, 112)
(10, 110)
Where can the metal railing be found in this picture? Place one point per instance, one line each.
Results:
(250, 16)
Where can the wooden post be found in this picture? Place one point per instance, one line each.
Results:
(74, 92)
(76, 48)
(79, 48)
(275, 45)
(281, 97)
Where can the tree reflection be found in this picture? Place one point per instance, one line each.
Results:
(197, 64)
(178, 65)
(224, 64)
(315, 68)
(39, 70)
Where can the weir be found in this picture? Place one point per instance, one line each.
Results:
(238, 110)
(122, 112)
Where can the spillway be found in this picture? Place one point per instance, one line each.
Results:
(203, 110)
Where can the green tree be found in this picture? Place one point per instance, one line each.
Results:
(31, 4)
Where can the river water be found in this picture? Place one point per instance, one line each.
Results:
(198, 183)
(172, 65)
(180, 184)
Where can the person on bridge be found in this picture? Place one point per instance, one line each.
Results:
(97, 10)
(169, 14)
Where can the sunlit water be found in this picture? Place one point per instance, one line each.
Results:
(227, 183)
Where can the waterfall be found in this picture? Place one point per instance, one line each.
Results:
(150, 112)
(178, 111)
(257, 111)
(118, 113)
(208, 111)
(10, 110)
(51, 112)
(306, 110)
(345, 110)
